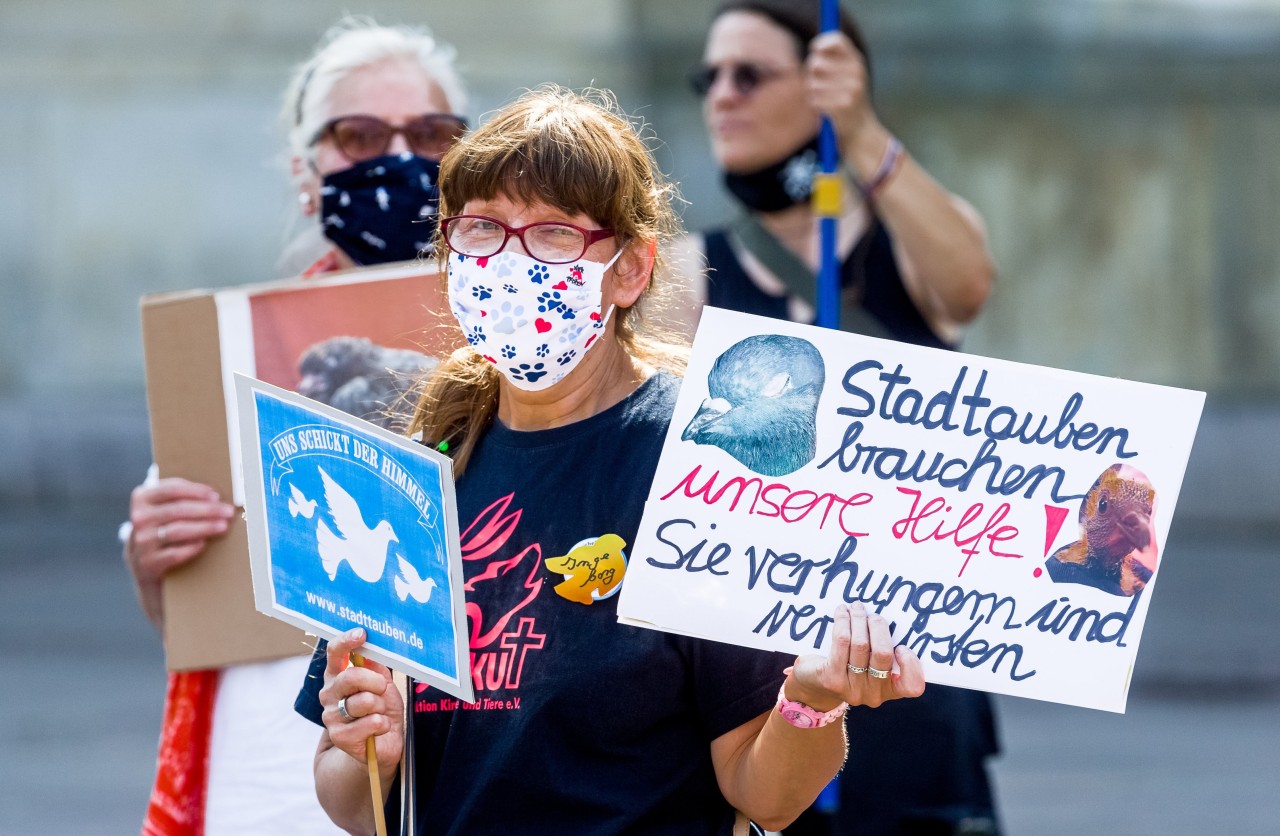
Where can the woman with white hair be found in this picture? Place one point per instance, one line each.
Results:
(372, 112)
(368, 117)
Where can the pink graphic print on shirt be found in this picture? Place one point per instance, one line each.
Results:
(500, 638)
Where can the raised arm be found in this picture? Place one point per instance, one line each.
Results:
(939, 239)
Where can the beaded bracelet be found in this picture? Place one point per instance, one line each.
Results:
(893, 155)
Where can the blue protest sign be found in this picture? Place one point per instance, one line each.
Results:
(353, 526)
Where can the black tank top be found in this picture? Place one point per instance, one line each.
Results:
(870, 272)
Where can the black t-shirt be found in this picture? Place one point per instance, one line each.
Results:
(581, 725)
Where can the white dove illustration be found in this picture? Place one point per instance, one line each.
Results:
(409, 582)
(299, 504)
(364, 548)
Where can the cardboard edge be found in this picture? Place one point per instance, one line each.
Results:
(184, 395)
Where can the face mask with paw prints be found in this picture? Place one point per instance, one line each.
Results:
(532, 320)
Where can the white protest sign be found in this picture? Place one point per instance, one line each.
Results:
(351, 525)
(1007, 519)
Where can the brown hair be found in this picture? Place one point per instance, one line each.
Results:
(801, 19)
(579, 153)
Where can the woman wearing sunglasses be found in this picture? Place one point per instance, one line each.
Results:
(914, 267)
(553, 217)
(914, 257)
(367, 118)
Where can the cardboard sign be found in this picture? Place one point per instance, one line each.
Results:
(354, 526)
(1008, 520)
(193, 343)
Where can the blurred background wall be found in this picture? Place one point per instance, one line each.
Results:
(1123, 153)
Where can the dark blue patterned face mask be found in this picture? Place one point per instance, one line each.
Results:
(383, 209)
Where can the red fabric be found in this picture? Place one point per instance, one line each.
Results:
(176, 807)
(327, 263)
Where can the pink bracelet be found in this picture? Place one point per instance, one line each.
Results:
(893, 155)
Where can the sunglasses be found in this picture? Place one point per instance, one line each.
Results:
(746, 78)
(365, 137)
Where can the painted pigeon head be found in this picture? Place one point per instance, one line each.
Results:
(763, 404)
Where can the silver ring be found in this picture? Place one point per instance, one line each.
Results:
(856, 669)
(875, 674)
(342, 709)
(160, 535)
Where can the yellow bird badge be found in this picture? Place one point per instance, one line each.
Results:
(592, 569)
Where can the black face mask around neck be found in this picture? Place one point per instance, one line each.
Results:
(779, 186)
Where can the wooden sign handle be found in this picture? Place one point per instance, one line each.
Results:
(371, 758)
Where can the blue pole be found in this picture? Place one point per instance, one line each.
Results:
(827, 200)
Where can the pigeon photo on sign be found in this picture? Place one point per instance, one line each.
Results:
(353, 341)
(351, 525)
(1008, 520)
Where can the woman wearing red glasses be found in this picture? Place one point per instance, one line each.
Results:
(914, 267)
(555, 416)
(368, 117)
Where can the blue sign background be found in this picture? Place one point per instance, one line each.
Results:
(295, 445)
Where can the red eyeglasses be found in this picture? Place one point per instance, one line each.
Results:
(551, 242)
(361, 137)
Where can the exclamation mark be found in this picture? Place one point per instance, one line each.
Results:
(1053, 519)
